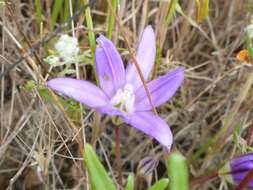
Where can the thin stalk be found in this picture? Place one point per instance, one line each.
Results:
(66, 14)
(55, 13)
(203, 179)
(111, 18)
(91, 36)
(2, 79)
(118, 154)
(171, 11)
(38, 11)
(250, 134)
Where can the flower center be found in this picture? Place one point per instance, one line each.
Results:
(124, 99)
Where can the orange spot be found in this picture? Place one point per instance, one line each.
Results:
(243, 55)
(106, 77)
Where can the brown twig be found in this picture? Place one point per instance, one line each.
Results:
(203, 179)
(250, 134)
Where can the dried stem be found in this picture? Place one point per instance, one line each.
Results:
(250, 134)
(203, 179)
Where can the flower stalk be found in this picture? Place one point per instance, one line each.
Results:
(118, 154)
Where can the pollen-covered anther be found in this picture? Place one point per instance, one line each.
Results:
(124, 99)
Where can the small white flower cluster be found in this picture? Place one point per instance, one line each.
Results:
(66, 51)
(67, 47)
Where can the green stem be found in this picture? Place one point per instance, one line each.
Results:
(91, 36)
(111, 18)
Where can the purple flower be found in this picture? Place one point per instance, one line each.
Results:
(237, 169)
(240, 166)
(121, 92)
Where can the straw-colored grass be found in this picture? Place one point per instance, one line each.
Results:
(42, 134)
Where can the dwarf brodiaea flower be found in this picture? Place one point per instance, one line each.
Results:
(121, 92)
(237, 169)
(67, 47)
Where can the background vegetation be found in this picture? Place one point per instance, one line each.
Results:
(42, 135)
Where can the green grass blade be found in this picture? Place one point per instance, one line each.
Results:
(99, 178)
(91, 34)
(248, 43)
(171, 10)
(56, 11)
(177, 172)
(202, 9)
(66, 13)
(160, 185)
(38, 12)
(130, 182)
(111, 18)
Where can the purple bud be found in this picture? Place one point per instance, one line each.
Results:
(238, 168)
(147, 165)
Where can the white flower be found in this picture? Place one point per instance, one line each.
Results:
(67, 47)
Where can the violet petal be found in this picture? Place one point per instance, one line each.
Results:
(153, 126)
(80, 90)
(145, 57)
(109, 65)
(241, 159)
(161, 90)
(238, 177)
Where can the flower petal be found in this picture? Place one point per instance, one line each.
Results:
(80, 90)
(161, 89)
(109, 66)
(145, 57)
(245, 158)
(153, 126)
(238, 177)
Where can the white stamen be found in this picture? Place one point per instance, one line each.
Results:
(124, 99)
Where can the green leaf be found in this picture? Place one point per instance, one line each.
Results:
(160, 185)
(30, 85)
(111, 17)
(171, 10)
(130, 182)
(44, 93)
(91, 36)
(56, 11)
(202, 9)
(249, 45)
(99, 178)
(177, 172)
(38, 11)
(66, 13)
